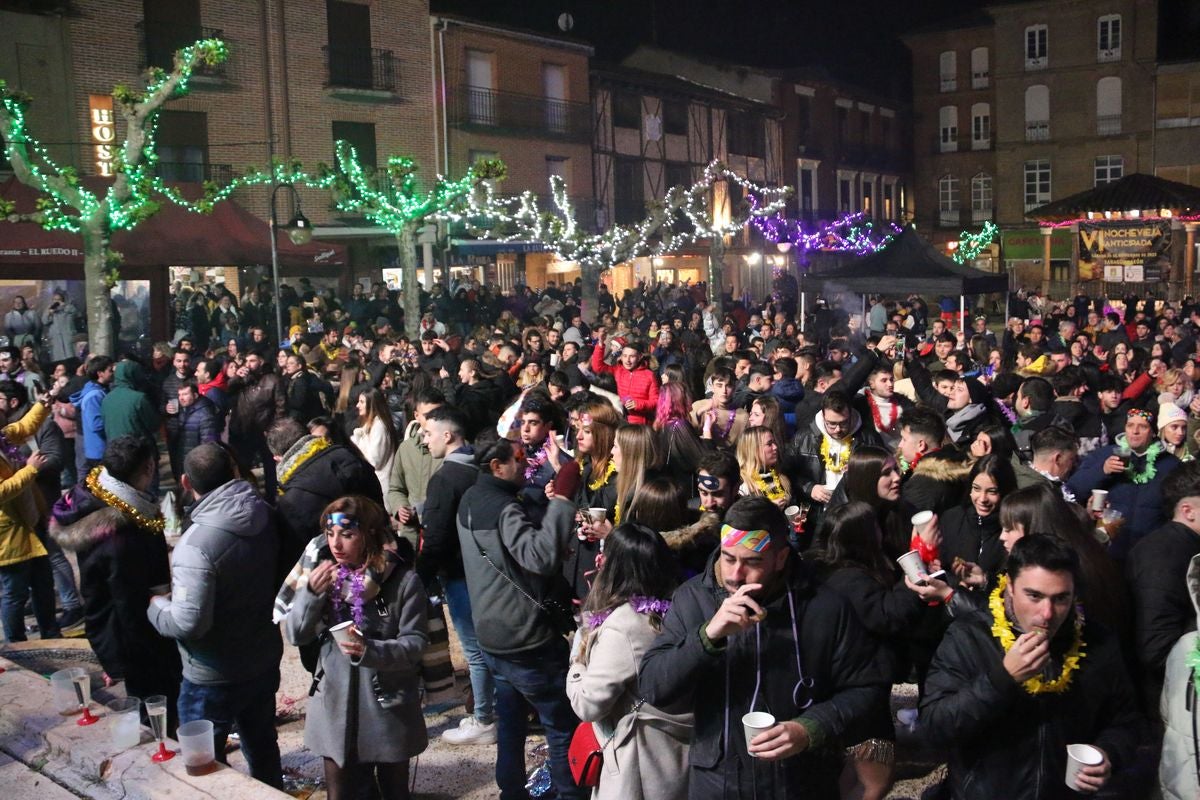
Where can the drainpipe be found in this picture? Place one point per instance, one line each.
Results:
(444, 24)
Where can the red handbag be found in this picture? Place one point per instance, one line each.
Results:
(585, 755)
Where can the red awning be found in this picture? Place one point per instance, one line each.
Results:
(229, 236)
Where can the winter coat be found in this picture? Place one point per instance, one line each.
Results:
(304, 392)
(170, 391)
(395, 627)
(60, 331)
(684, 670)
(1177, 773)
(788, 392)
(1157, 571)
(972, 538)
(1008, 743)
(126, 409)
(120, 563)
(441, 554)
(889, 613)
(19, 508)
(647, 754)
(409, 479)
(693, 544)
(222, 589)
(853, 377)
(193, 426)
(801, 460)
(1140, 503)
(258, 400)
(372, 442)
(333, 472)
(492, 519)
(88, 401)
(938, 482)
(639, 384)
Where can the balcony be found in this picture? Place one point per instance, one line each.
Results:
(158, 42)
(948, 83)
(980, 80)
(1037, 131)
(982, 214)
(981, 144)
(192, 172)
(531, 116)
(364, 71)
(949, 218)
(1109, 125)
(947, 144)
(1107, 56)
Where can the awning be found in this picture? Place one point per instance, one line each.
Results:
(229, 236)
(491, 247)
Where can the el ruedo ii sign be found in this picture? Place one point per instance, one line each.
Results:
(1129, 252)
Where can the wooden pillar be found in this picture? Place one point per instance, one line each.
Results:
(1047, 233)
(1189, 257)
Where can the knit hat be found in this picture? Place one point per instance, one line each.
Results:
(1168, 413)
(381, 321)
(573, 335)
(295, 331)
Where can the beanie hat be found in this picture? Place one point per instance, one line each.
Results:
(1168, 413)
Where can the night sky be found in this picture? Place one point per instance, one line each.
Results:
(856, 40)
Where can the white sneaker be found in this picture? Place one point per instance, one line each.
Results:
(471, 731)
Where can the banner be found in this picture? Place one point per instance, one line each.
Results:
(1130, 246)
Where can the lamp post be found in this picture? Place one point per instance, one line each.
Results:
(300, 232)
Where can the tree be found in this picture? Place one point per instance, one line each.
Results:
(685, 216)
(390, 198)
(68, 205)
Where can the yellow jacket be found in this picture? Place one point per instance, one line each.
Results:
(18, 502)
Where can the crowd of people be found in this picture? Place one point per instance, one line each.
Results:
(641, 529)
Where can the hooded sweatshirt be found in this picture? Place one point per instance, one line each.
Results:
(223, 589)
(127, 409)
(91, 424)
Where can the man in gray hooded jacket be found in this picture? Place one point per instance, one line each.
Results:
(219, 610)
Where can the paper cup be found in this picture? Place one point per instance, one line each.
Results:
(912, 565)
(554, 359)
(791, 512)
(921, 520)
(1099, 498)
(1078, 757)
(341, 632)
(755, 723)
(597, 515)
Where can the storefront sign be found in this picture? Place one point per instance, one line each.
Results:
(104, 133)
(1027, 244)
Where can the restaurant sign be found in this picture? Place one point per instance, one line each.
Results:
(1134, 248)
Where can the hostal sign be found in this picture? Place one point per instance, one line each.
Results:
(104, 132)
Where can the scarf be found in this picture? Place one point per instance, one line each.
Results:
(960, 420)
(298, 578)
(221, 381)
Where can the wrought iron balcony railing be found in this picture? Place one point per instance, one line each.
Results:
(369, 68)
(471, 107)
(158, 42)
(192, 172)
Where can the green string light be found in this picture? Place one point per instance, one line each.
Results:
(970, 245)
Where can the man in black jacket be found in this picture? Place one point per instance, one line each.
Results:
(712, 659)
(1007, 705)
(1157, 572)
(441, 559)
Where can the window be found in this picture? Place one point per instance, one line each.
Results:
(747, 135)
(558, 167)
(981, 197)
(628, 202)
(554, 89)
(1037, 47)
(803, 118)
(981, 126)
(1037, 183)
(1109, 169)
(980, 74)
(948, 200)
(1037, 113)
(168, 27)
(350, 62)
(627, 110)
(885, 134)
(182, 145)
(361, 136)
(843, 123)
(481, 95)
(844, 195)
(1108, 38)
(1108, 106)
(948, 70)
(807, 187)
(675, 117)
(676, 173)
(948, 129)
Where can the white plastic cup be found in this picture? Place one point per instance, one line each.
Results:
(1099, 499)
(912, 565)
(64, 692)
(198, 747)
(597, 515)
(341, 632)
(1078, 757)
(755, 723)
(791, 512)
(125, 723)
(921, 520)
(554, 359)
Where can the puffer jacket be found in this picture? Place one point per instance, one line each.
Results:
(492, 519)
(19, 509)
(1008, 743)
(639, 384)
(1178, 775)
(223, 589)
(127, 410)
(193, 426)
(683, 671)
(258, 400)
(938, 482)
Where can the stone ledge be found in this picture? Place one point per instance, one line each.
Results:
(83, 759)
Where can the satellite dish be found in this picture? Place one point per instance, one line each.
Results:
(565, 22)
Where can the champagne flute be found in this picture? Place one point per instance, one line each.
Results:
(156, 711)
(83, 691)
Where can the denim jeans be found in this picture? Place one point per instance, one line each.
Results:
(16, 581)
(482, 684)
(251, 705)
(64, 576)
(540, 676)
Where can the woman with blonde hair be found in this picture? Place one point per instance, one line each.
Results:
(758, 455)
(597, 489)
(376, 436)
(635, 455)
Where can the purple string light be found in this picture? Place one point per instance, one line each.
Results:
(852, 233)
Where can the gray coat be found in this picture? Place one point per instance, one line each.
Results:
(395, 641)
(60, 331)
(1177, 766)
(647, 756)
(223, 589)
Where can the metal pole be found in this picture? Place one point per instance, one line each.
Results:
(275, 267)
(962, 313)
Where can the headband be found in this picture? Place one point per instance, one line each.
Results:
(751, 540)
(340, 519)
(1137, 412)
(710, 482)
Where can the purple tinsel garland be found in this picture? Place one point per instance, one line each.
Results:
(641, 604)
(13, 452)
(356, 595)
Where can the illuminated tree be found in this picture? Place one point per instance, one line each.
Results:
(69, 206)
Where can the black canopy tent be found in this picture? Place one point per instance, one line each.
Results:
(910, 265)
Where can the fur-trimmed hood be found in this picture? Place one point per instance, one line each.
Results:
(80, 520)
(945, 465)
(699, 533)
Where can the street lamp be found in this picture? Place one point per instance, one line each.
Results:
(299, 230)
